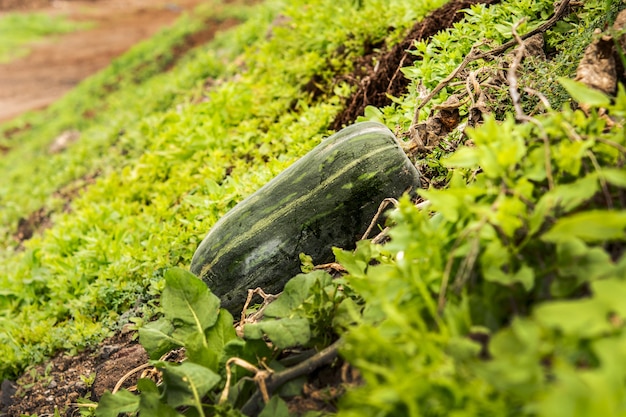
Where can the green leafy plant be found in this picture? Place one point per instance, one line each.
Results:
(204, 383)
(502, 297)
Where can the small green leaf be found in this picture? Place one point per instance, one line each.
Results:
(295, 292)
(306, 263)
(357, 261)
(111, 405)
(156, 338)
(525, 276)
(583, 94)
(465, 157)
(276, 407)
(589, 226)
(187, 383)
(569, 155)
(188, 302)
(445, 202)
(283, 333)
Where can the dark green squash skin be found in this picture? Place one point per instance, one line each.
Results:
(327, 198)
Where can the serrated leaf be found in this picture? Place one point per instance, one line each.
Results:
(187, 383)
(589, 226)
(357, 261)
(110, 405)
(295, 292)
(583, 94)
(188, 302)
(156, 338)
(284, 333)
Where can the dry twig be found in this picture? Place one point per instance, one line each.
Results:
(273, 381)
(254, 317)
(476, 54)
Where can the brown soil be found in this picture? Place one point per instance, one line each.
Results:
(57, 64)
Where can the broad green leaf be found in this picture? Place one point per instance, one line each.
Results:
(207, 351)
(187, 383)
(535, 165)
(295, 292)
(284, 333)
(576, 264)
(570, 196)
(525, 276)
(569, 155)
(150, 403)
(445, 202)
(198, 350)
(583, 94)
(188, 302)
(110, 405)
(540, 212)
(492, 260)
(356, 262)
(508, 215)
(515, 366)
(222, 332)
(589, 226)
(611, 292)
(464, 157)
(250, 350)
(276, 407)
(578, 318)
(156, 338)
(348, 313)
(520, 337)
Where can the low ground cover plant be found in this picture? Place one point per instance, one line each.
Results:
(499, 294)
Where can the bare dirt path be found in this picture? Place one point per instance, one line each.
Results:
(57, 64)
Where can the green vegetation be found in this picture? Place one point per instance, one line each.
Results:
(503, 297)
(18, 30)
(170, 158)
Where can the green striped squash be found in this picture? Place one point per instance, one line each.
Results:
(327, 198)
